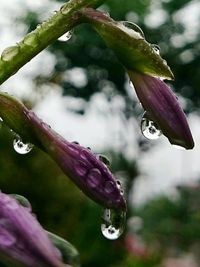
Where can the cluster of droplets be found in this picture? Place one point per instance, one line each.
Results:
(149, 128)
(113, 223)
(20, 147)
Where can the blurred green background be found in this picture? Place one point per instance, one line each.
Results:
(163, 231)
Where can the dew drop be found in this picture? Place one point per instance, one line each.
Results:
(9, 53)
(104, 159)
(134, 27)
(65, 37)
(20, 147)
(81, 168)
(75, 142)
(156, 48)
(31, 39)
(113, 223)
(94, 178)
(22, 201)
(149, 128)
(110, 187)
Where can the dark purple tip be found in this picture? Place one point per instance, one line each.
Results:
(163, 108)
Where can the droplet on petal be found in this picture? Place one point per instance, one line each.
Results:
(94, 178)
(66, 37)
(134, 27)
(20, 147)
(149, 128)
(22, 201)
(105, 160)
(113, 223)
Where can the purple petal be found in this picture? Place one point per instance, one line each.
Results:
(90, 174)
(163, 108)
(22, 239)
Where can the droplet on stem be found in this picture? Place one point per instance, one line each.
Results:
(21, 147)
(65, 37)
(113, 223)
(156, 48)
(134, 27)
(149, 128)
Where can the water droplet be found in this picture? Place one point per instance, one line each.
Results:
(75, 142)
(31, 39)
(65, 37)
(104, 159)
(1, 120)
(113, 223)
(80, 168)
(9, 53)
(110, 187)
(156, 48)
(94, 178)
(149, 128)
(20, 147)
(22, 201)
(134, 27)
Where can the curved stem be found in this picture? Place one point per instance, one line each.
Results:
(14, 57)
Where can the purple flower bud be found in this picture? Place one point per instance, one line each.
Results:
(87, 171)
(23, 242)
(163, 108)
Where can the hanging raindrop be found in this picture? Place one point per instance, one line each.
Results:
(156, 48)
(149, 128)
(20, 147)
(65, 37)
(113, 223)
(1, 121)
(134, 27)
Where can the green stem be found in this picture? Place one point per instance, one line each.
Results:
(14, 57)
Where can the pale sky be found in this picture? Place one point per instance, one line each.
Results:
(161, 168)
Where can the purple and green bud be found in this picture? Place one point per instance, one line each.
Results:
(82, 166)
(23, 241)
(143, 64)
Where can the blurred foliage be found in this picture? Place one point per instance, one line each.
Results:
(171, 225)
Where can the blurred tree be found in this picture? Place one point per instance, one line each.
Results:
(171, 226)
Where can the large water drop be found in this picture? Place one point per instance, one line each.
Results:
(149, 128)
(113, 223)
(134, 27)
(21, 147)
(65, 37)
(9, 53)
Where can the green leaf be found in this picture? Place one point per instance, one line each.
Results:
(133, 51)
